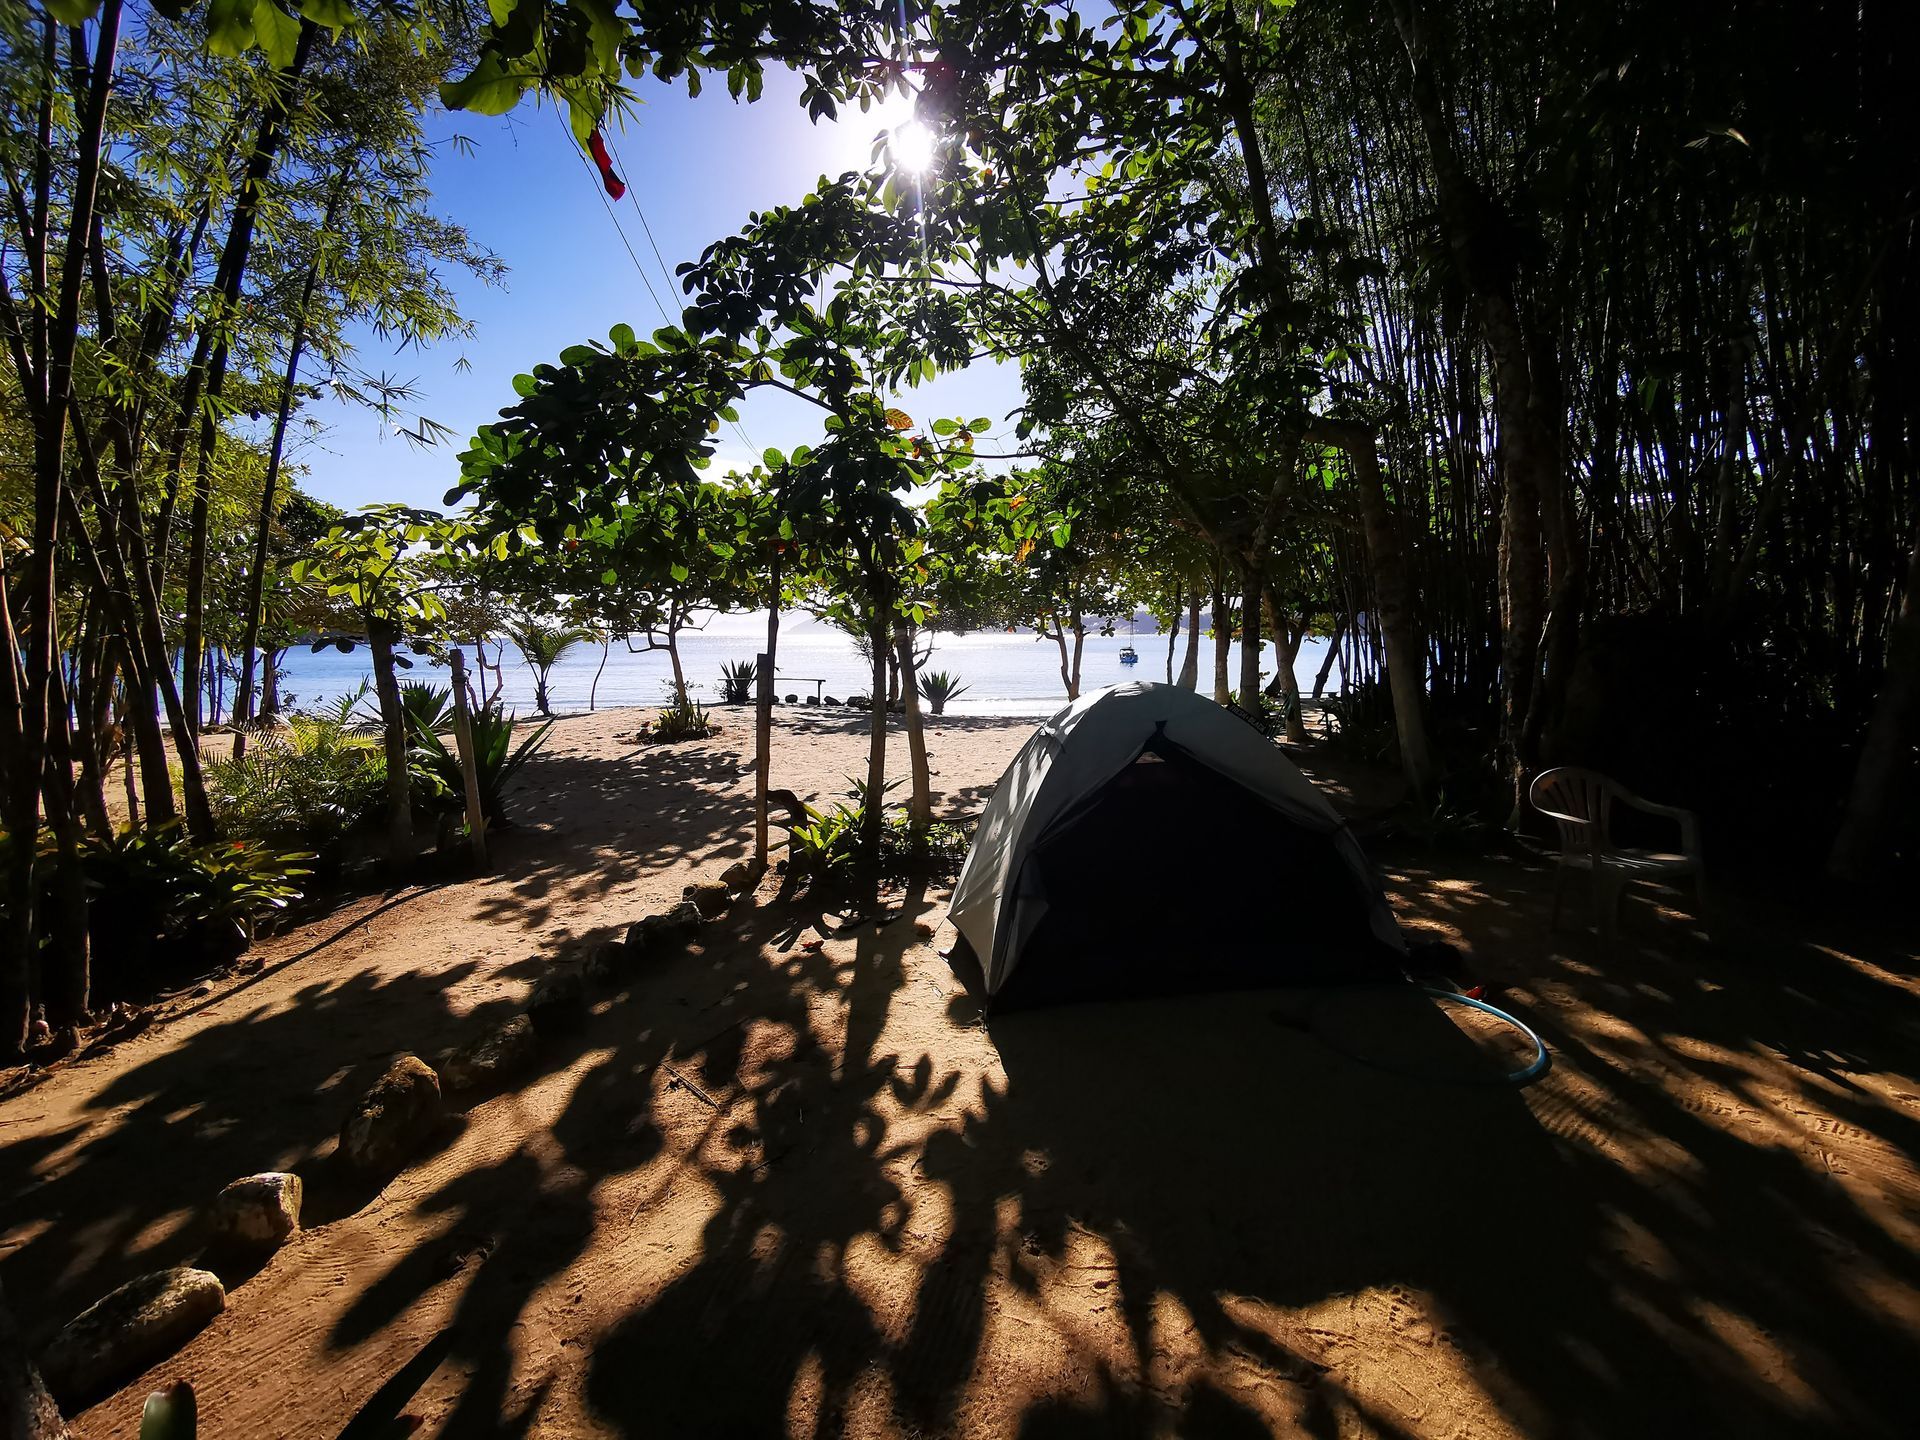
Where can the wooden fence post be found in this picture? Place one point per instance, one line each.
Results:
(762, 754)
(469, 767)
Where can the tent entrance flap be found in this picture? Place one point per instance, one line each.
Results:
(1172, 877)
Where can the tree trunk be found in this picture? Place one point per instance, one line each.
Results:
(1173, 634)
(1883, 777)
(1222, 640)
(1250, 642)
(269, 492)
(1393, 590)
(1079, 649)
(28, 667)
(673, 658)
(67, 995)
(763, 720)
(920, 809)
(382, 636)
(1190, 667)
(875, 812)
(593, 690)
(1333, 654)
(1286, 686)
(270, 682)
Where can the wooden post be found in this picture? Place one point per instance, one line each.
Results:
(469, 767)
(762, 754)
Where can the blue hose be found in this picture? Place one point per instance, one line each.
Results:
(1527, 1074)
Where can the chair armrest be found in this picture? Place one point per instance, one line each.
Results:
(1689, 822)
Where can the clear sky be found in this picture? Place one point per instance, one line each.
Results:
(696, 169)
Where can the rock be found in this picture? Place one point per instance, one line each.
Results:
(710, 897)
(829, 701)
(504, 1050)
(654, 930)
(603, 967)
(138, 1325)
(737, 876)
(813, 699)
(859, 702)
(793, 699)
(394, 1118)
(258, 1212)
(559, 1001)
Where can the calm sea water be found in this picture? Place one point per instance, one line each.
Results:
(1005, 674)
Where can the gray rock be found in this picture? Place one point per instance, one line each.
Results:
(258, 1212)
(710, 897)
(394, 1118)
(737, 876)
(504, 1050)
(655, 931)
(603, 967)
(829, 701)
(135, 1327)
(558, 1001)
(793, 699)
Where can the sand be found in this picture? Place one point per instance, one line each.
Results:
(786, 1183)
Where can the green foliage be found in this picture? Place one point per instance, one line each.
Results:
(497, 759)
(826, 849)
(309, 785)
(684, 719)
(158, 886)
(542, 645)
(938, 687)
(737, 678)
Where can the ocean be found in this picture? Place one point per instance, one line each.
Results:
(1005, 674)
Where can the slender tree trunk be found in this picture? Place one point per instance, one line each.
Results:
(673, 658)
(876, 757)
(382, 636)
(763, 720)
(1066, 667)
(920, 810)
(127, 764)
(270, 682)
(269, 491)
(48, 394)
(1333, 654)
(1079, 649)
(1222, 639)
(1251, 646)
(1173, 634)
(68, 993)
(1286, 686)
(593, 690)
(1190, 666)
(1393, 590)
(1883, 778)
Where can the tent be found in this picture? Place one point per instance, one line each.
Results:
(1147, 841)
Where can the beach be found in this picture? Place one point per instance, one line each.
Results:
(784, 1181)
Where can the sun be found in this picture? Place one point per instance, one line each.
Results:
(911, 147)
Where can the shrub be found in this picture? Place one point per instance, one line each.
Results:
(938, 687)
(436, 762)
(826, 849)
(737, 679)
(306, 786)
(682, 720)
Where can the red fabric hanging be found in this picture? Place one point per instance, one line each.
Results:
(616, 187)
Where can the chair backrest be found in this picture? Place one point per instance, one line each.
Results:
(1580, 803)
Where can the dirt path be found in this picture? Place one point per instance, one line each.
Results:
(783, 1184)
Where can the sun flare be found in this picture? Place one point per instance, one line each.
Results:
(910, 147)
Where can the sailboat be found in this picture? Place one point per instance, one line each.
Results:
(1128, 655)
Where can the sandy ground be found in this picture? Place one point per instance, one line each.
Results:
(787, 1184)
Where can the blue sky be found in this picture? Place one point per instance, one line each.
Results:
(696, 169)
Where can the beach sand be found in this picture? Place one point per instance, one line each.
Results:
(786, 1182)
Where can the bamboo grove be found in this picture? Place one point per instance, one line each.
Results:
(1555, 362)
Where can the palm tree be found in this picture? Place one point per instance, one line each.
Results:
(541, 645)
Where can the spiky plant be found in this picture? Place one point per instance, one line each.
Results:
(937, 687)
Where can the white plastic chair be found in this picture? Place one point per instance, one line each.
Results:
(1580, 803)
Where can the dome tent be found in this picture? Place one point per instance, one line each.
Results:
(1146, 841)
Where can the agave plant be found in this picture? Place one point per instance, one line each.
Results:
(737, 679)
(938, 687)
(496, 758)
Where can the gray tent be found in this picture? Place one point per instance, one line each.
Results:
(1145, 840)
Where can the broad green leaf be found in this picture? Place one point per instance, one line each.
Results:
(230, 26)
(277, 32)
(336, 15)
